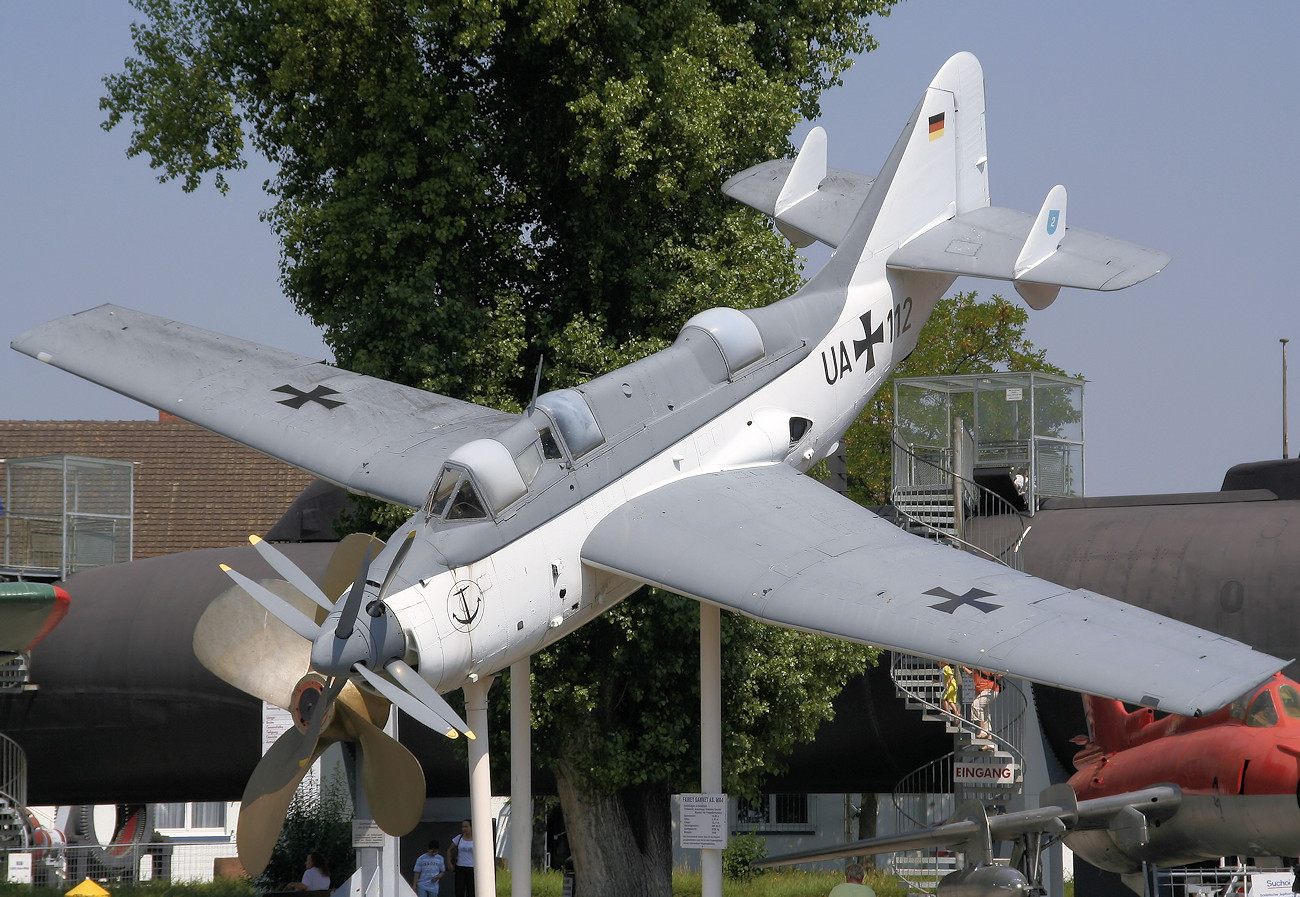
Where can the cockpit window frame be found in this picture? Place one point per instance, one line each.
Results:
(573, 421)
(441, 505)
(1262, 712)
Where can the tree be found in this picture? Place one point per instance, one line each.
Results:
(318, 819)
(464, 186)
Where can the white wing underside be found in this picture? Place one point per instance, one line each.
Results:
(781, 547)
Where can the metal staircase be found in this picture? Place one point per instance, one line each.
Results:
(987, 769)
(931, 500)
(13, 795)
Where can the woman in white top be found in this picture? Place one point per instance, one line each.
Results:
(462, 859)
(317, 875)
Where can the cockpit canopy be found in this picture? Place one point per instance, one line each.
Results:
(479, 478)
(1262, 710)
(733, 332)
(574, 419)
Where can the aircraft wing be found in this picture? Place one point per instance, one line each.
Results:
(357, 431)
(781, 547)
(970, 827)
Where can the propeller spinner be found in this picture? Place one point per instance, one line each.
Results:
(359, 637)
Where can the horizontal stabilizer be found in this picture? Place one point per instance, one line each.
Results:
(804, 209)
(995, 242)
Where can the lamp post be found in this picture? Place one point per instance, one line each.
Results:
(1285, 454)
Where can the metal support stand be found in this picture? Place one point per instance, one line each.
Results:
(521, 780)
(711, 732)
(480, 786)
(379, 871)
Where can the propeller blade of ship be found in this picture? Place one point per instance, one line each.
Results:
(319, 715)
(390, 774)
(413, 682)
(346, 560)
(291, 572)
(244, 646)
(409, 704)
(267, 797)
(283, 611)
(397, 563)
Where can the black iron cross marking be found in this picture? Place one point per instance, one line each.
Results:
(317, 395)
(868, 345)
(970, 599)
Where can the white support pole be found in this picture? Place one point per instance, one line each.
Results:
(711, 732)
(521, 780)
(480, 787)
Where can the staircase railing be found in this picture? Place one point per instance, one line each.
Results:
(13, 793)
(928, 795)
(934, 473)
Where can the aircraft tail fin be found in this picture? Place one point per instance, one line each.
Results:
(1111, 726)
(928, 211)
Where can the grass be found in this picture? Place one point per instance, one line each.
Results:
(545, 884)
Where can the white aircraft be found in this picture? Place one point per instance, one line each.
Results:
(683, 470)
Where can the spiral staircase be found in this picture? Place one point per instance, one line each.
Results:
(14, 832)
(931, 499)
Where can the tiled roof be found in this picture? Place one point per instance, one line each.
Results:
(193, 489)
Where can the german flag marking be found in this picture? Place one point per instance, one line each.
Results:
(936, 126)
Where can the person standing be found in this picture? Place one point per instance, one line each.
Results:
(950, 689)
(461, 855)
(987, 687)
(429, 870)
(852, 885)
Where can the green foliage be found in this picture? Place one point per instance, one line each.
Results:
(462, 186)
(741, 850)
(313, 823)
(963, 335)
(619, 699)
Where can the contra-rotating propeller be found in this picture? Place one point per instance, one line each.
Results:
(265, 657)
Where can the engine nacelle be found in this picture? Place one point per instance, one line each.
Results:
(984, 880)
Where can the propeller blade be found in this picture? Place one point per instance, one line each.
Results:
(318, 716)
(345, 561)
(397, 563)
(390, 774)
(244, 646)
(348, 617)
(413, 682)
(267, 797)
(285, 612)
(413, 707)
(291, 572)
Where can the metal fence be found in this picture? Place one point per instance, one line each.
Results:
(165, 861)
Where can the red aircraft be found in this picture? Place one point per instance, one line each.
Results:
(1238, 769)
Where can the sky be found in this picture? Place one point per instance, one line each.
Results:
(1160, 118)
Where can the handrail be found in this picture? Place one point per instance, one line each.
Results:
(13, 772)
(1006, 729)
(982, 493)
